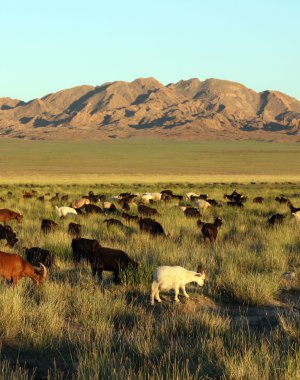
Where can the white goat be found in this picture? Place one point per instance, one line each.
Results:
(191, 194)
(146, 197)
(65, 211)
(175, 277)
(296, 215)
(202, 204)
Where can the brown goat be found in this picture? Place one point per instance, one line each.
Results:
(6, 215)
(77, 203)
(14, 267)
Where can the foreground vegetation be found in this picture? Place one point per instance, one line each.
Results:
(244, 323)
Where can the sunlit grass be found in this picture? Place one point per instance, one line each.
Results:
(73, 328)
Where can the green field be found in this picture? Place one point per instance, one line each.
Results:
(242, 325)
(147, 161)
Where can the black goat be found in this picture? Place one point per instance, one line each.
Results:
(36, 255)
(276, 219)
(147, 211)
(114, 222)
(151, 226)
(74, 229)
(112, 260)
(210, 230)
(48, 225)
(192, 212)
(294, 209)
(282, 200)
(258, 200)
(130, 218)
(83, 248)
(7, 233)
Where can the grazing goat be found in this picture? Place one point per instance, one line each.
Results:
(127, 197)
(294, 209)
(152, 227)
(167, 192)
(151, 196)
(191, 194)
(55, 198)
(89, 209)
(48, 225)
(236, 197)
(63, 211)
(166, 197)
(7, 215)
(77, 203)
(200, 224)
(123, 195)
(112, 260)
(112, 210)
(173, 277)
(282, 200)
(124, 204)
(192, 212)
(235, 204)
(14, 267)
(210, 230)
(147, 211)
(130, 218)
(82, 248)
(176, 196)
(203, 205)
(276, 219)
(114, 222)
(258, 200)
(213, 202)
(37, 255)
(74, 229)
(9, 235)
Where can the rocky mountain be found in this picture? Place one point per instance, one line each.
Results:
(189, 109)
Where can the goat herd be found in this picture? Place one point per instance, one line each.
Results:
(39, 261)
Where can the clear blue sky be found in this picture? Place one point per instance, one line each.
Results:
(48, 45)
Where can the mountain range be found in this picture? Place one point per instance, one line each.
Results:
(188, 110)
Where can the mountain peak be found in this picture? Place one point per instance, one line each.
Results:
(188, 109)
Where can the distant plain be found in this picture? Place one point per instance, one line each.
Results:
(147, 161)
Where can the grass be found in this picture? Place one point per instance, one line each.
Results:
(147, 161)
(244, 323)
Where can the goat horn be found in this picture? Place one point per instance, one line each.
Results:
(44, 270)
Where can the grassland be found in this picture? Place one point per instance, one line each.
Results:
(147, 161)
(244, 323)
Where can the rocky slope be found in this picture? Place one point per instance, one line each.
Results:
(189, 109)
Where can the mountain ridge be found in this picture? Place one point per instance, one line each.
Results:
(188, 109)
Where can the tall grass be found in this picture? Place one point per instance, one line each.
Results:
(73, 328)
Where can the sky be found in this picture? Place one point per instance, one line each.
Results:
(47, 46)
